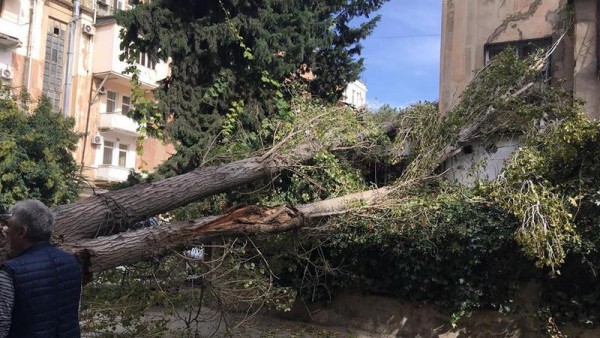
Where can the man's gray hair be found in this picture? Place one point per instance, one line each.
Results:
(34, 216)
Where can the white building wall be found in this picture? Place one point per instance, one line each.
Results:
(355, 94)
(481, 160)
(107, 55)
(14, 22)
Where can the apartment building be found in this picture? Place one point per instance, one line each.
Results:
(34, 56)
(355, 94)
(473, 31)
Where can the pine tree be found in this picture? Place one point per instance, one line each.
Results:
(228, 58)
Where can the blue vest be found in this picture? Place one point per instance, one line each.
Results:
(47, 283)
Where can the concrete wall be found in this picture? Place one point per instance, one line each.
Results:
(586, 83)
(467, 25)
(155, 153)
(388, 317)
(355, 94)
(482, 160)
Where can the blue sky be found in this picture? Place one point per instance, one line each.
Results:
(402, 55)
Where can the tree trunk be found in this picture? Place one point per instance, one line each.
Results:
(107, 252)
(129, 247)
(116, 211)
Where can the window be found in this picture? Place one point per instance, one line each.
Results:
(144, 60)
(108, 152)
(122, 5)
(115, 153)
(54, 62)
(523, 49)
(111, 102)
(125, 105)
(123, 155)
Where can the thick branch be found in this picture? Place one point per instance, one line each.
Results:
(128, 247)
(119, 209)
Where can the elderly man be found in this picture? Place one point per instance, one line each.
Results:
(40, 286)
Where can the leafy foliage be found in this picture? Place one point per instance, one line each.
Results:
(460, 248)
(229, 59)
(447, 248)
(35, 153)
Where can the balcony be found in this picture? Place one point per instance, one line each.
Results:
(109, 173)
(105, 8)
(13, 26)
(107, 64)
(118, 123)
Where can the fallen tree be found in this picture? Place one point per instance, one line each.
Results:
(107, 252)
(116, 211)
(96, 228)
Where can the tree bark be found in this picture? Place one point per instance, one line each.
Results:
(107, 252)
(116, 211)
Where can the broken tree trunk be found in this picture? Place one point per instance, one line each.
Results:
(116, 211)
(107, 252)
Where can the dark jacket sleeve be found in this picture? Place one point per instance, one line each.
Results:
(7, 301)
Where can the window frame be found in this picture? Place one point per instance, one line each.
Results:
(119, 154)
(123, 149)
(143, 60)
(56, 37)
(111, 153)
(125, 107)
(519, 46)
(111, 101)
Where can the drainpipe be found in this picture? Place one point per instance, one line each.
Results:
(27, 73)
(91, 100)
(71, 48)
(598, 38)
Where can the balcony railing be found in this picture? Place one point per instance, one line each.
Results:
(110, 173)
(88, 5)
(119, 123)
(106, 9)
(103, 7)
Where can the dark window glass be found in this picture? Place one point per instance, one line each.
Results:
(53, 64)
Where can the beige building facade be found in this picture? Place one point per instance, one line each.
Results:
(34, 38)
(474, 30)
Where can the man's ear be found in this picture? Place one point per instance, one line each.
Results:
(21, 232)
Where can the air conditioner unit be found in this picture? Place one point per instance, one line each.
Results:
(97, 139)
(6, 73)
(88, 29)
